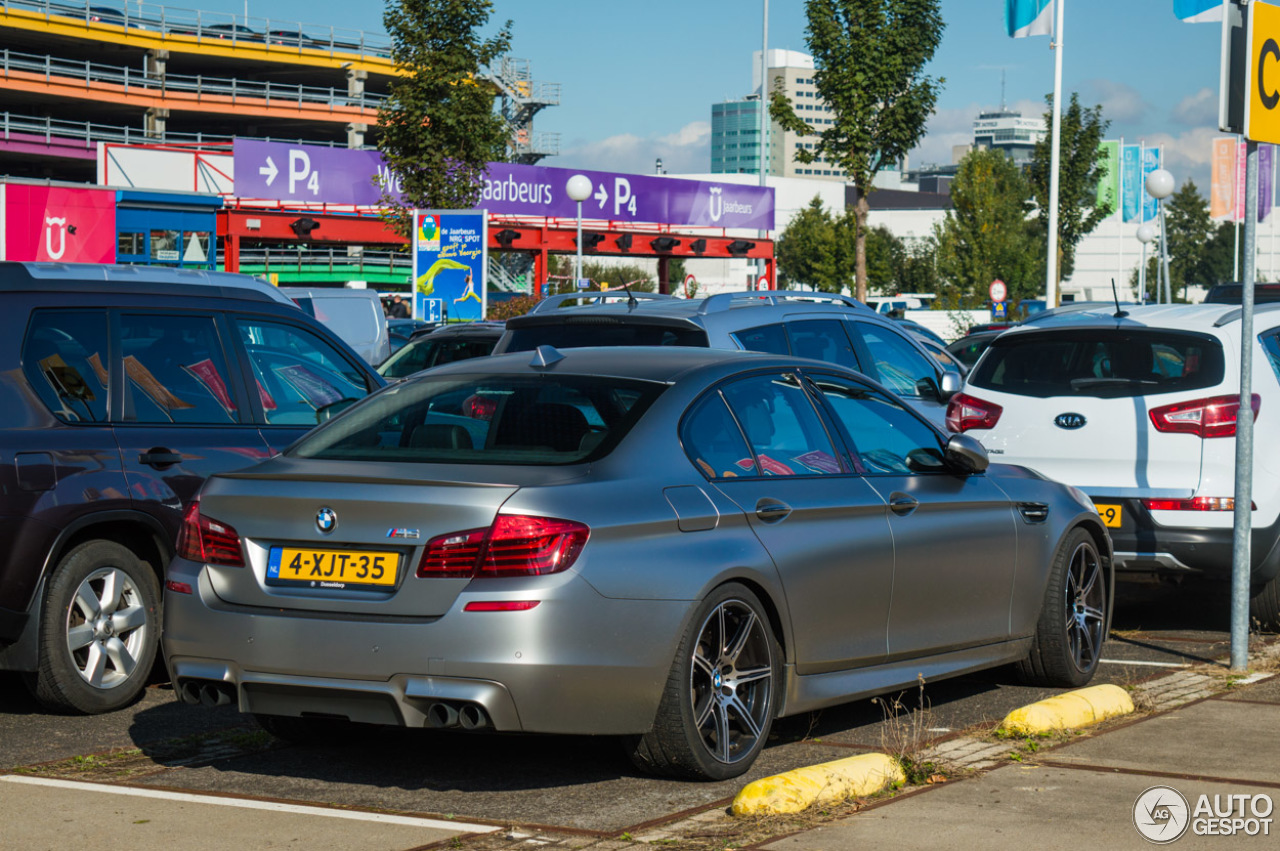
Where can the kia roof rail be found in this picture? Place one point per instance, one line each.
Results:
(724, 301)
(1234, 314)
(553, 302)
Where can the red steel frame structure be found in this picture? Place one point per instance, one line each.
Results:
(540, 237)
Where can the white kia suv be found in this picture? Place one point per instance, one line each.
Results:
(1138, 410)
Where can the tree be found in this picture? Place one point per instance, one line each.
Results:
(1186, 216)
(438, 126)
(808, 251)
(1078, 174)
(868, 59)
(987, 234)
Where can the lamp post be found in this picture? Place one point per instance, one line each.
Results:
(579, 189)
(1160, 186)
(1146, 233)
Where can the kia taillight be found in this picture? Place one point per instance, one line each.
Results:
(515, 545)
(1214, 417)
(209, 541)
(966, 412)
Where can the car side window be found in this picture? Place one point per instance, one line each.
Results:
(765, 338)
(784, 430)
(64, 356)
(297, 371)
(887, 439)
(822, 339)
(1271, 345)
(713, 441)
(898, 365)
(175, 370)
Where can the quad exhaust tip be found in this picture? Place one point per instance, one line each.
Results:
(468, 716)
(206, 692)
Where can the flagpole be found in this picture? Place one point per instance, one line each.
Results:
(1120, 209)
(1051, 274)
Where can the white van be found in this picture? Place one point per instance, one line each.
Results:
(355, 315)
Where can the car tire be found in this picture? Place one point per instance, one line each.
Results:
(1073, 618)
(99, 631)
(720, 698)
(1264, 605)
(302, 731)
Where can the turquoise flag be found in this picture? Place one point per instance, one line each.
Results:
(1198, 11)
(1028, 17)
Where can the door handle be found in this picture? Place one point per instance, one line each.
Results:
(771, 510)
(160, 457)
(901, 504)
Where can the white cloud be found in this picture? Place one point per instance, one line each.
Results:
(688, 150)
(1198, 110)
(1188, 155)
(1120, 102)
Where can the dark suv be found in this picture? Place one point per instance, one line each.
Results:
(121, 389)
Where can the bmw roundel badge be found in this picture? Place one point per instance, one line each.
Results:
(1069, 421)
(326, 520)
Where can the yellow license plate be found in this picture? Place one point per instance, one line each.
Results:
(332, 568)
(1110, 514)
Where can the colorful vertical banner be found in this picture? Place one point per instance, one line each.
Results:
(1150, 162)
(1222, 181)
(1266, 176)
(1242, 162)
(450, 258)
(1109, 176)
(1130, 163)
(1198, 11)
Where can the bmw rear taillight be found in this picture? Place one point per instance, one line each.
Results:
(209, 541)
(515, 545)
(966, 412)
(1205, 418)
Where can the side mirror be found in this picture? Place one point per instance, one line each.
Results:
(967, 454)
(952, 383)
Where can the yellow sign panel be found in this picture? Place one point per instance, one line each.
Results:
(1262, 105)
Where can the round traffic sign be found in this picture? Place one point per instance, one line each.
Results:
(998, 290)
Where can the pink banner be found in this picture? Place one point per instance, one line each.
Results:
(1241, 161)
(59, 224)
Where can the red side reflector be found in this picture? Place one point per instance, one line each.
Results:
(500, 605)
(1199, 503)
(177, 587)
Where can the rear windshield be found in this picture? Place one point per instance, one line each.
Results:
(602, 331)
(1101, 362)
(486, 419)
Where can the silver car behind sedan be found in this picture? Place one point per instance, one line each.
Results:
(673, 545)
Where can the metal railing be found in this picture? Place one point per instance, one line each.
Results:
(213, 26)
(49, 128)
(309, 258)
(89, 72)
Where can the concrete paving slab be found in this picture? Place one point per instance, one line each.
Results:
(1213, 738)
(1020, 807)
(1267, 691)
(39, 814)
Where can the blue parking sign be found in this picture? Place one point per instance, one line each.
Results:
(999, 310)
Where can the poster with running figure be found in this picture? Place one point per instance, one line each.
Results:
(450, 261)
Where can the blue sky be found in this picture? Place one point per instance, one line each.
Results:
(638, 78)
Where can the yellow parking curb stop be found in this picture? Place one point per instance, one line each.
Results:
(793, 791)
(1067, 711)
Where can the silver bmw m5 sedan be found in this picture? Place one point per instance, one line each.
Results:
(672, 545)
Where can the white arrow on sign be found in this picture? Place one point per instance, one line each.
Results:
(601, 195)
(269, 170)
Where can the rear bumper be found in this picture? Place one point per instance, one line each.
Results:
(1143, 545)
(576, 663)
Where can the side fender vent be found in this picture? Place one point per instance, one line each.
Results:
(1034, 512)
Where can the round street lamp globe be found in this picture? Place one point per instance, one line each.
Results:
(1146, 233)
(578, 187)
(1160, 184)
